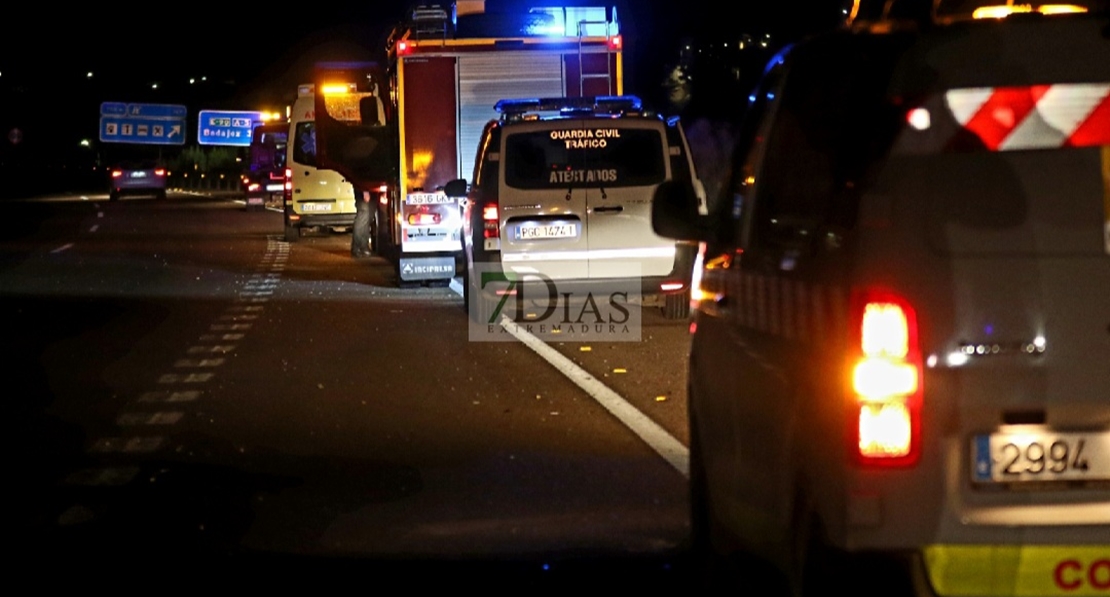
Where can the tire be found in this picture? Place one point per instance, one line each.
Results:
(162, 195)
(113, 196)
(677, 305)
(292, 234)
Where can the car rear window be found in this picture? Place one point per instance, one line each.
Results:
(586, 155)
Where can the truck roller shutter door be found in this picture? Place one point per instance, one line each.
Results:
(486, 78)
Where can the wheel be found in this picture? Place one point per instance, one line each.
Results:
(677, 305)
(162, 195)
(113, 196)
(292, 234)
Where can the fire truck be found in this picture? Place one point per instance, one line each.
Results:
(447, 66)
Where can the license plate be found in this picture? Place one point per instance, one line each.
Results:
(1031, 454)
(545, 231)
(316, 207)
(138, 175)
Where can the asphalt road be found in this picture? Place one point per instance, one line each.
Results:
(188, 388)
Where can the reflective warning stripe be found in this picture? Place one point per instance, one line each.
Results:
(1034, 117)
(1018, 570)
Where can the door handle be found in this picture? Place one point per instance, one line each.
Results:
(612, 209)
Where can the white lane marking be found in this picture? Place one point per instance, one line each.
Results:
(128, 444)
(94, 227)
(100, 214)
(106, 476)
(63, 248)
(672, 450)
(158, 418)
(199, 363)
(169, 378)
(167, 396)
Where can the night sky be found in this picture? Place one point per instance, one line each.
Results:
(213, 55)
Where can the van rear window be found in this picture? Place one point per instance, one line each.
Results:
(304, 143)
(598, 155)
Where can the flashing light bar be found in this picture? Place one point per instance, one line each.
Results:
(1003, 11)
(337, 88)
(601, 103)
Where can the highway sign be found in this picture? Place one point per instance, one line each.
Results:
(226, 127)
(158, 124)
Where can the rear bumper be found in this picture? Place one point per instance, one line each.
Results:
(311, 220)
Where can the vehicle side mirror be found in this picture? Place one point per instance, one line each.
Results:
(455, 188)
(676, 212)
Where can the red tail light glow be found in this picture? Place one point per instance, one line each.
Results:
(117, 173)
(159, 172)
(491, 223)
(404, 48)
(616, 42)
(886, 381)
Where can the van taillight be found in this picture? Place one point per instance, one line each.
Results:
(288, 190)
(491, 224)
(886, 381)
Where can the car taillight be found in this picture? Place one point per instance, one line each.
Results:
(424, 217)
(491, 224)
(886, 381)
(117, 173)
(159, 172)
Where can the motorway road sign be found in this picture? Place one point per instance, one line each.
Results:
(159, 124)
(224, 127)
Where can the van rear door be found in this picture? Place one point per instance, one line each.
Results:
(622, 163)
(542, 204)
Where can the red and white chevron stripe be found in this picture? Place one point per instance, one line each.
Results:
(1034, 117)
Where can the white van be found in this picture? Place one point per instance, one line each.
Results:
(314, 197)
(562, 189)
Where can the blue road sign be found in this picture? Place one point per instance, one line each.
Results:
(225, 127)
(158, 124)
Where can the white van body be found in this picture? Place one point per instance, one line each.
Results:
(313, 197)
